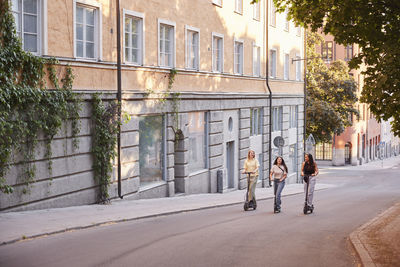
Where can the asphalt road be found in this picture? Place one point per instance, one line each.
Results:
(229, 236)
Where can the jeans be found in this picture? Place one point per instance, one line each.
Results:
(311, 187)
(278, 187)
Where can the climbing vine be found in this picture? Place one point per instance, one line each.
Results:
(105, 129)
(27, 108)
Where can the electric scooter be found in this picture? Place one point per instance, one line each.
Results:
(307, 208)
(252, 204)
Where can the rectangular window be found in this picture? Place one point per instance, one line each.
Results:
(133, 39)
(218, 52)
(27, 18)
(286, 67)
(327, 51)
(86, 32)
(192, 48)
(151, 144)
(293, 117)
(238, 57)
(166, 44)
(272, 66)
(277, 115)
(286, 25)
(273, 14)
(256, 60)
(298, 69)
(298, 31)
(349, 52)
(255, 121)
(197, 141)
(239, 6)
(256, 11)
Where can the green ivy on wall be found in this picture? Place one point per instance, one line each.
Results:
(105, 128)
(27, 108)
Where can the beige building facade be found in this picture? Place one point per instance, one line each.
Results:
(222, 62)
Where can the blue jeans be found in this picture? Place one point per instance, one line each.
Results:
(278, 187)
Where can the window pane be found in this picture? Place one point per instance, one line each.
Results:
(127, 24)
(30, 23)
(79, 31)
(79, 14)
(197, 147)
(30, 6)
(15, 6)
(79, 48)
(135, 41)
(89, 50)
(127, 40)
(135, 55)
(17, 24)
(30, 42)
(89, 16)
(150, 149)
(90, 33)
(127, 56)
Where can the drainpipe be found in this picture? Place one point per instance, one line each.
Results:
(119, 96)
(270, 95)
(305, 91)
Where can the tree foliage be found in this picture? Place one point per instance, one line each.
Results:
(330, 94)
(375, 26)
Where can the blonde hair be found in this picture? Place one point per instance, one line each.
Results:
(248, 154)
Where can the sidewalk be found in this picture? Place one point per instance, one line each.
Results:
(377, 242)
(14, 226)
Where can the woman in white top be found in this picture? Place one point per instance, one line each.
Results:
(278, 174)
(251, 166)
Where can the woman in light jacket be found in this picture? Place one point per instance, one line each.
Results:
(251, 166)
(278, 174)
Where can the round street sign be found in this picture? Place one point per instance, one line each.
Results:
(279, 141)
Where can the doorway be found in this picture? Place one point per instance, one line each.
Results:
(347, 153)
(230, 163)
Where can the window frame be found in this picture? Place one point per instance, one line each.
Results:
(239, 7)
(220, 36)
(272, 64)
(256, 62)
(326, 49)
(234, 56)
(97, 28)
(41, 42)
(293, 116)
(141, 16)
(197, 53)
(286, 25)
(286, 66)
(298, 68)
(347, 48)
(206, 143)
(257, 11)
(173, 52)
(256, 121)
(277, 118)
(272, 15)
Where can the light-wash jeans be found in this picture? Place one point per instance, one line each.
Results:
(311, 187)
(278, 187)
(252, 187)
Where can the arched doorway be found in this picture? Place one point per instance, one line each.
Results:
(347, 153)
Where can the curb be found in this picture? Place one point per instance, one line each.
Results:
(24, 238)
(359, 246)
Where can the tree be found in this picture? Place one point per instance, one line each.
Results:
(330, 94)
(375, 26)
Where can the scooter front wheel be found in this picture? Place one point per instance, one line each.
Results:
(246, 206)
(305, 209)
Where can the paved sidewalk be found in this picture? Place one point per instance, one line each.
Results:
(14, 226)
(378, 241)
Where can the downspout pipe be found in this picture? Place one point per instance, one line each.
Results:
(119, 94)
(270, 95)
(305, 91)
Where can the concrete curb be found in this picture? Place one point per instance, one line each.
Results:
(23, 238)
(359, 246)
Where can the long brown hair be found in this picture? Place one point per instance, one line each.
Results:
(283, 163)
